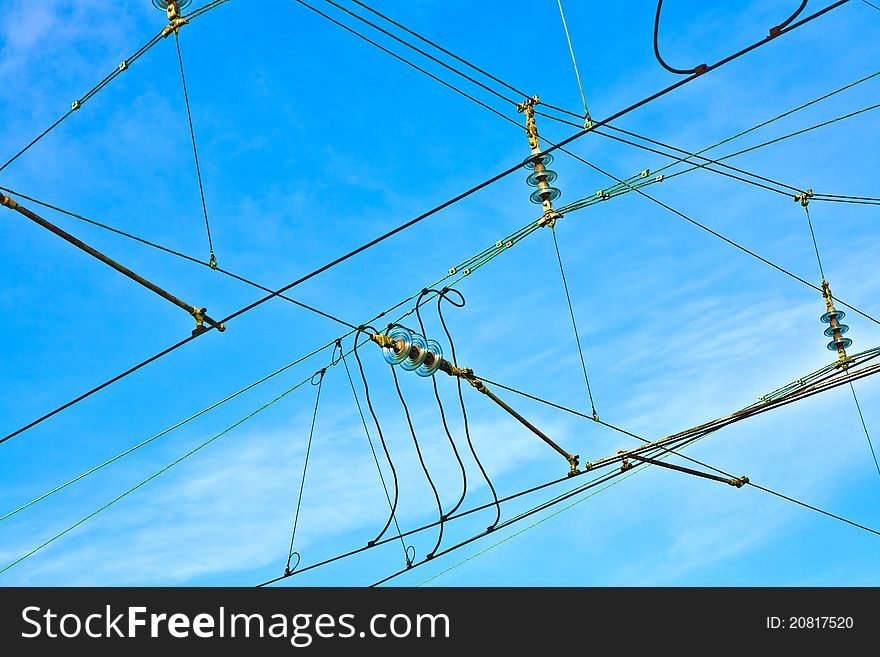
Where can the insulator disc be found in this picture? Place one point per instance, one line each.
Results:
(545, 174)
(535, 196)
(547, 158)
(397, 357)
(843, 343)
(843, 328)
(427, 370)
(410, 364)
(162, 4)
(826, 318)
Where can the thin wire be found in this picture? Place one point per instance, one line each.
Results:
(574, 63)
(577, 336)
(871, 4)
(443, 50)
(409, 223)
(533, 525)
(714, 233)
(419, 50)
(302, 483)
(421, 460)
(88, 95)
(816, 509)
(444, 295)
(375, 456)
(404, 60)
(195, 151)
(162, 433)
(178, 254)
(815, 244)
(150, 478)
(865, 427)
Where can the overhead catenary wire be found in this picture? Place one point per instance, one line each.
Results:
(471, 264)
(592, 127)
(694, 433)
(404, 226)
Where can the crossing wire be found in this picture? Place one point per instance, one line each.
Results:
(192, 132)
(410, 223)
(177, 254)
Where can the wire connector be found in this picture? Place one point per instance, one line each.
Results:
(804, 197)
(175, 20)
(201, 317)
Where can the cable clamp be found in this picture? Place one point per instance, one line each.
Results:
(624, 462)
(175, 20)
(8, 202)
(173, 27)
(549, 218)
(212, 262)
(739, 482)
(804, 197)
(201, 317)
(573, 462)
(123, 65)
(75, 105)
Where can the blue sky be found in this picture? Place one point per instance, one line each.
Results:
(313, 142)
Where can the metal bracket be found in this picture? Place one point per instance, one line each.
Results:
(736, 482)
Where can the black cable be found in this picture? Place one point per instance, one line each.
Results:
(192, 133)
(702, 68)
(422, 298)
(391, 516)
(302, 484)
(412, 432)
(788, 20)
(696, 70)
(444, 296)
(372, 448)
(422, 217)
